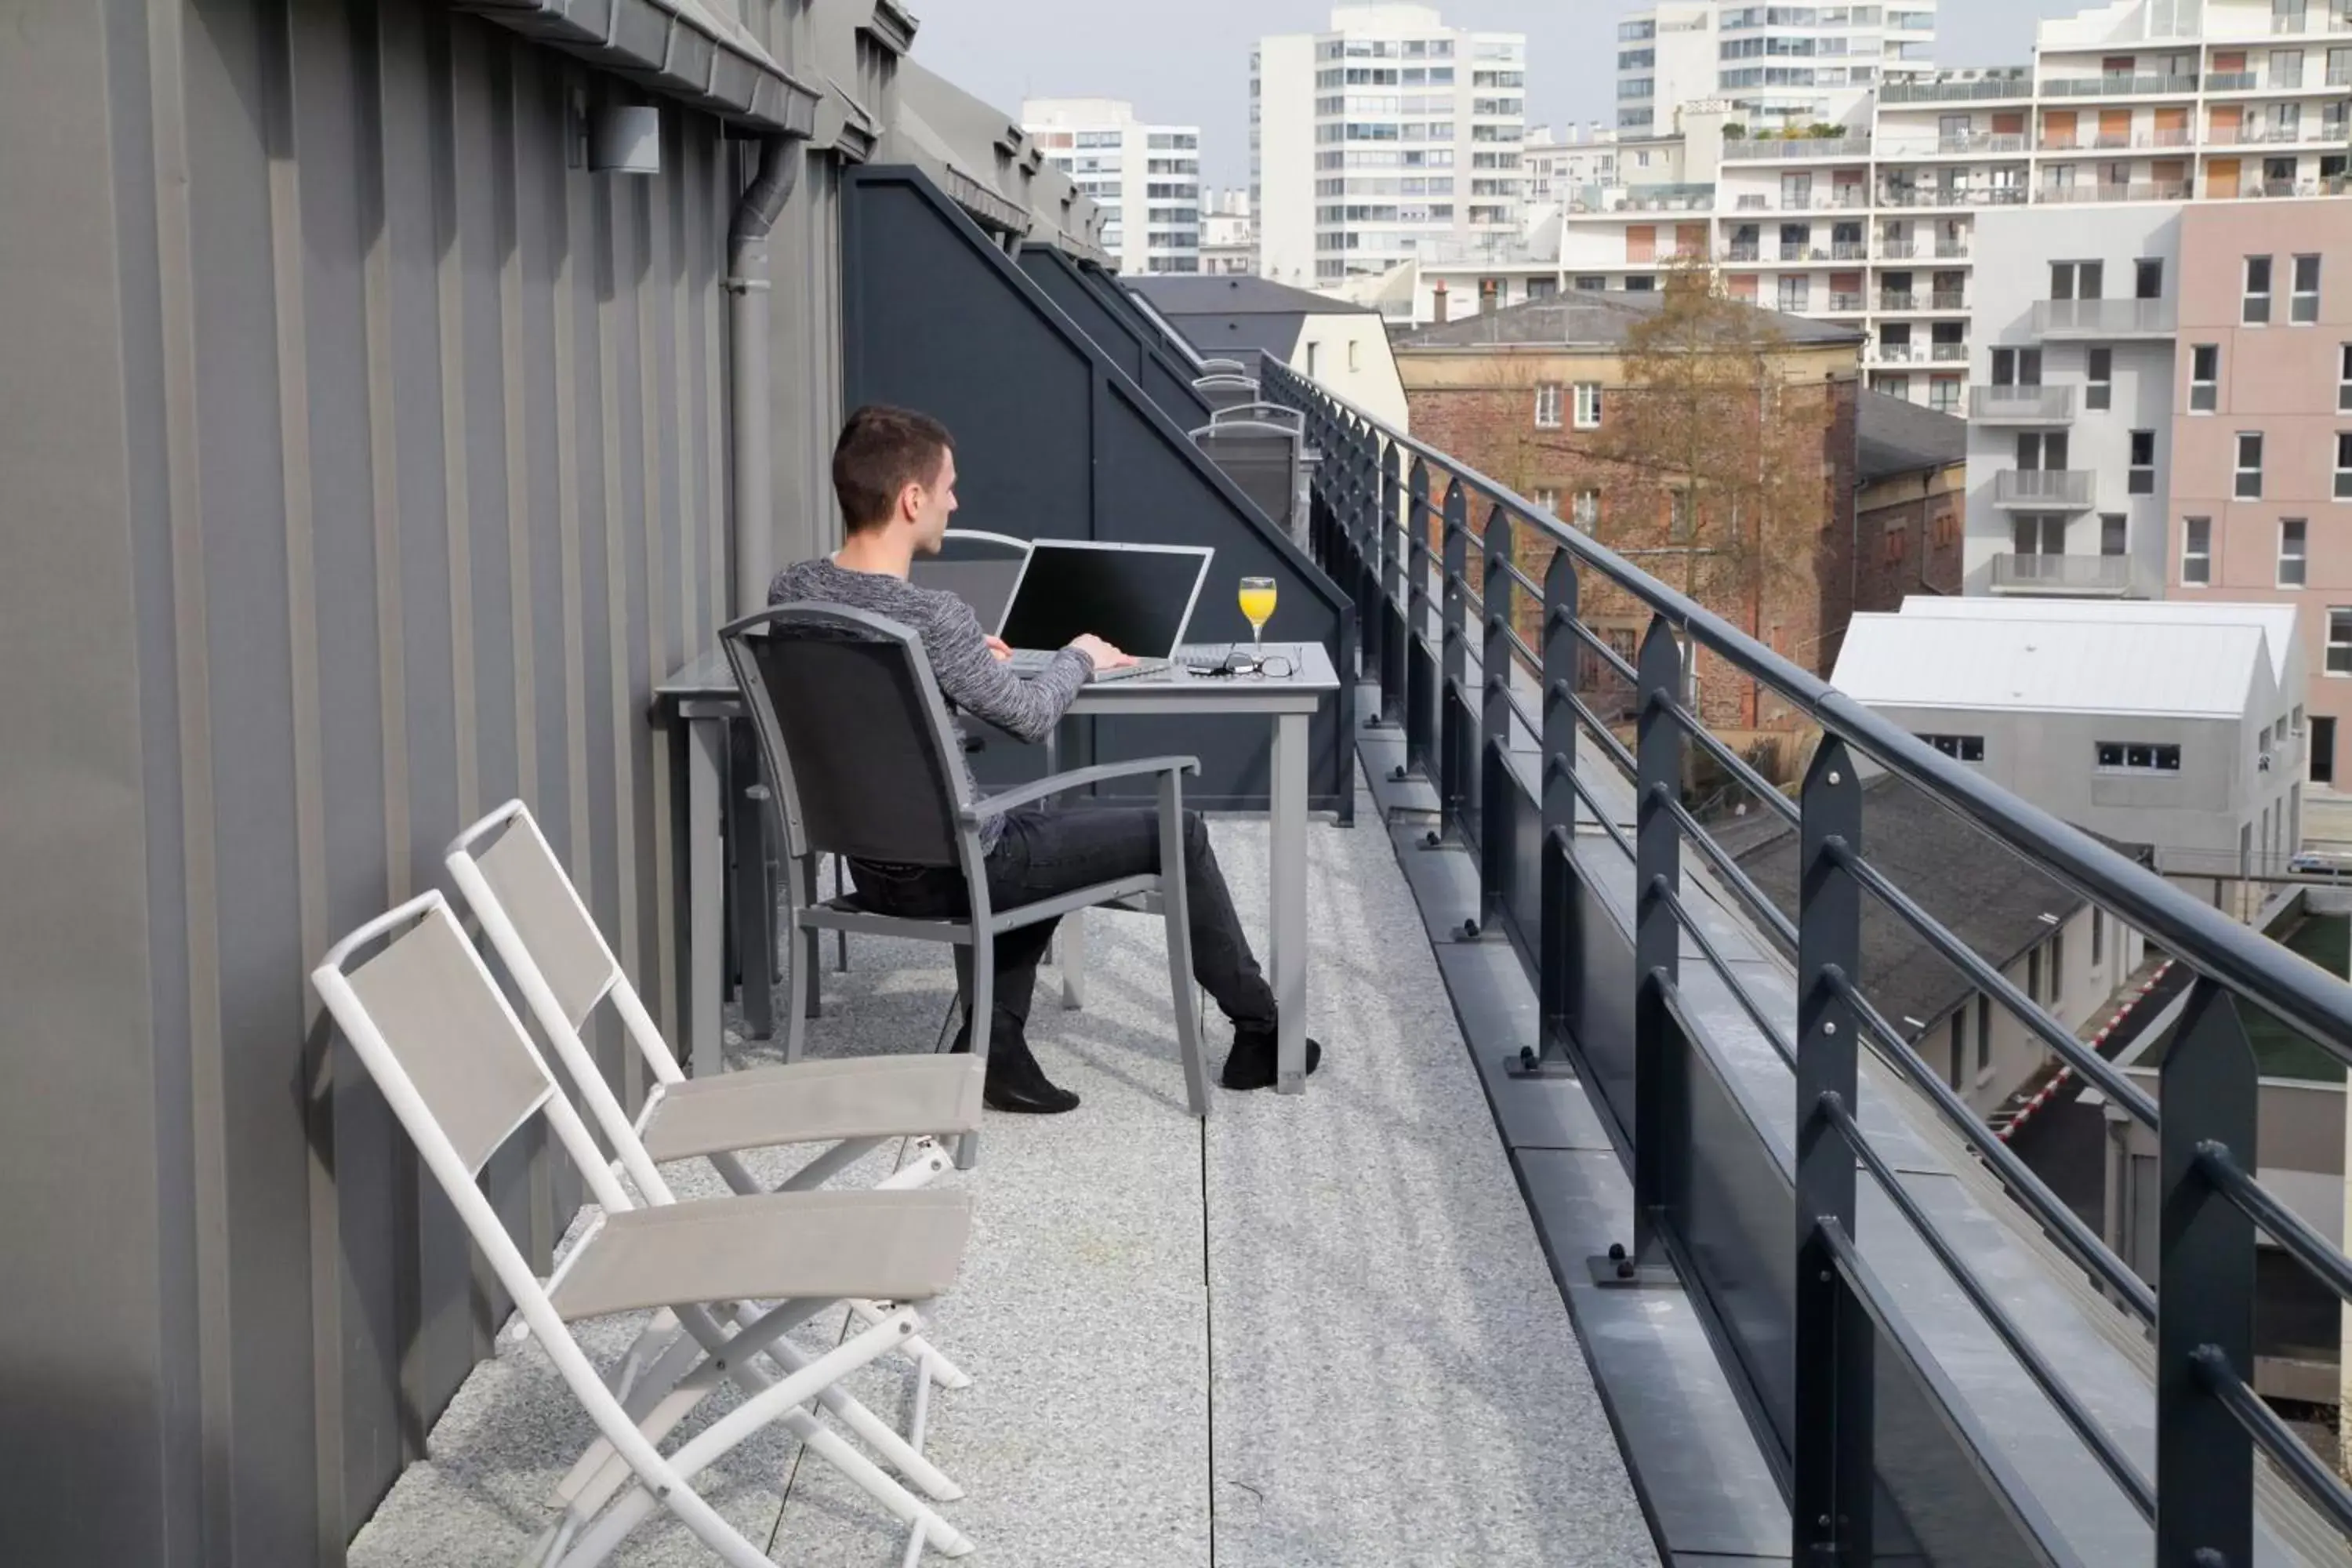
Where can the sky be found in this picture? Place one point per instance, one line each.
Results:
(1187, 61)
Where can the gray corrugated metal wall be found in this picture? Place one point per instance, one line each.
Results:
(366, 467)
(363, 463)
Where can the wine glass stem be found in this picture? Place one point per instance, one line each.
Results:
(1257, 641)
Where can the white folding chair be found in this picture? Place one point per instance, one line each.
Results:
(542, 931)
(454, 1062)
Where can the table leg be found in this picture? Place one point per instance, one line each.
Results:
(1288, 876)
(706, 875)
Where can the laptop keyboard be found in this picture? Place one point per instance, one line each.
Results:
(1028, 663)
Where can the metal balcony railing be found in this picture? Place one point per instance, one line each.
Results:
(2104, 318)
(2108, 576)
(1789, 149)
(2044, 490)
(2022, 405)
(1947, 354)
(1845, 303)
(2017, 86)
(2121, 84)
(1739, 251)
(1898, 249)
(2230, 81)
(1496, 718)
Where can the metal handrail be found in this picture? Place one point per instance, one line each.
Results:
(2243, 959)
(1466, 748)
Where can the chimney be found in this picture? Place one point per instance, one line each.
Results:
(1441, 301)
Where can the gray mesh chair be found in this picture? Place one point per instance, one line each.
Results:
(1263, 459)
(1226, 390)
(862, 756)
(452, 1059)
(1262, 413)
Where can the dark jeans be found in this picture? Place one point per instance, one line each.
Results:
(1046, 852)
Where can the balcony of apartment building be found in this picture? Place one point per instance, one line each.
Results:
(2069, 193)
(1797, 150)
(2005, 87)
(1954, 195)
(2021, 405)
(2061, 320)
(2044, 490)
(2068, 576)
(1628, 1158)
(2121, 84)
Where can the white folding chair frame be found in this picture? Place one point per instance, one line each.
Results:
(574, 1541)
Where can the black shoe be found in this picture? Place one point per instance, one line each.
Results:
(1017, 1085)
(1252, 1063)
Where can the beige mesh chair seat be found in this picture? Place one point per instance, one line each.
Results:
(861, 1098)
(454, 1063)
(897, 1247)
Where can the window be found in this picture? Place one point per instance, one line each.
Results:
(2343, 379)
(2141, 480)
(2344, 465)
(1984, 1036)
(2137, 757)
(1548, 405)
(2303, 305)
(1959, 748)
(2018, 367)
(1591, 285)
(2292, 542)
(2033, 974)
(1959, 1041)
(2205, 377)
(1355, 354)
(1678, 514)
(2254, 309)
(2114, 533)
(2339, 641)
(2100, 377)
(1550, 500)
(2098, 936)
(1943, 393)
(1794, 293)
(1587, 405)
(2075, 279)
(2323, 748)
(2249, 486)
(1586, 509)
(2147, 277)
(1311, 347)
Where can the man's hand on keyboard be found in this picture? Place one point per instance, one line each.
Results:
(1101, 653)
(1001, 648)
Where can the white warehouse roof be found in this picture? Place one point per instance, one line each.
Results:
(2189, 667)
(2277, 621)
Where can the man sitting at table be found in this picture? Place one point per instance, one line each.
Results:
(895, 473)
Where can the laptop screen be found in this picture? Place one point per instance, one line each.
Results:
(1138, 597)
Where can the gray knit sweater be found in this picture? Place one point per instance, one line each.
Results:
(969, 674)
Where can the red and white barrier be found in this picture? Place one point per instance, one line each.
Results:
(2067, 1069)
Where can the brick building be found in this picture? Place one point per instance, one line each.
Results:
(1527, 396)
(1910, 509)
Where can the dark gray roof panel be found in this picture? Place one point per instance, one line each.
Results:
(1200, 296)
(1989, 898)
(1582, 318)
(1900, 437)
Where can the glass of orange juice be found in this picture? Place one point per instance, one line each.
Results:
(1257, 608)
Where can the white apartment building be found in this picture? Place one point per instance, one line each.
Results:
(1386, 133)
(1146, 178)
(2143, 102)
(1228, 234)
(1780, 66)
(1560, 168)
(2069, 416)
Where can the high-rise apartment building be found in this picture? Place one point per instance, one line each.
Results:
(1228, 234)
(1146, 178)
(2140, 101)
(1778, 65)
(1389, 133)
(1559, 168)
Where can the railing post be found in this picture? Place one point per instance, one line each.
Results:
(1829, 1507)
(1557, 951)
(1501, 596)
(1453, 657)
(1396, 560)
(2205, 1290)
(1657, 936)
(1379, 528)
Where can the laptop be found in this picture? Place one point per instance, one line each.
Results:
(1137, 597)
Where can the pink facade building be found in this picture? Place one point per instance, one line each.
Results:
(2262, 435)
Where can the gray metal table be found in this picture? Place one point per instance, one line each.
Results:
(705, 698)
(1291, 703)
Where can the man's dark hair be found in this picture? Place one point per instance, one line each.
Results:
(882, 450)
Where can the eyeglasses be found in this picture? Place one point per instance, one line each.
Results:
(1239, 662)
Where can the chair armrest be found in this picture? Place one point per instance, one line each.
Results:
(1076, 778)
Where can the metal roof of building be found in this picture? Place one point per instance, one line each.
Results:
(1586, 317)
(1897, 436)
(2185, 670)
(2277, 621)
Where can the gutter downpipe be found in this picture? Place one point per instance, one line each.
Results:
(753, 523)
